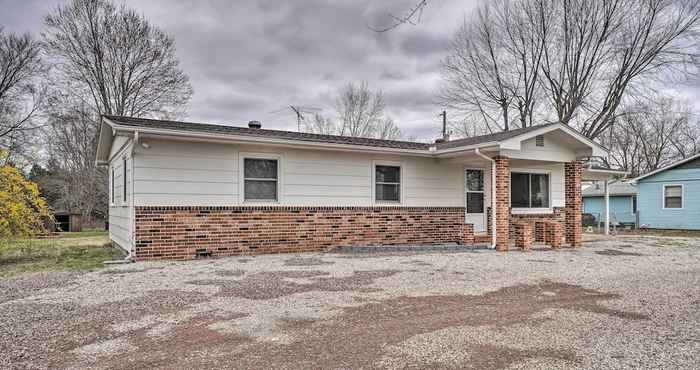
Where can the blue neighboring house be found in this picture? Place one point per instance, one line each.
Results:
(623, 202)
(669, 198)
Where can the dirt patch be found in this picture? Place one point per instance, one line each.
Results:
(191, 344)
(50, 331)
(359, 335)
(615, 252)
(275, 284)
(306, 261)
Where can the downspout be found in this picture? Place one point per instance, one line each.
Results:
(130, 256)
(493, 196)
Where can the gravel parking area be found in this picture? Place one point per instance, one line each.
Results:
(625, 302)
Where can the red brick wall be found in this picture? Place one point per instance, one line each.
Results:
(573, 172)
(502, 202)
(177, 232)
(559, 214)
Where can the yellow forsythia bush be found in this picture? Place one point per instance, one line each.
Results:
(22, 209)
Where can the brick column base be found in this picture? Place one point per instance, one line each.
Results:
(502, 202)
(523, 235)
(468, 234)
(572, 178)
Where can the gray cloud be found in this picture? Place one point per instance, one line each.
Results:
(248, 58)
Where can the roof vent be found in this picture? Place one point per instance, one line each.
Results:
(254, 124)
(539, 140)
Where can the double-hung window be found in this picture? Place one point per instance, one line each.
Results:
(529, 190)
(673, 196)
(260, 179)
(387, 183)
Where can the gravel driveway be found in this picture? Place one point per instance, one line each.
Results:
(628, 302)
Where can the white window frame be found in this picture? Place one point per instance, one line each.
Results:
(466, 190)
(663, 197)
(241, 177)
(539, 210)
(373, 186)
(125, 199)
(112, 193)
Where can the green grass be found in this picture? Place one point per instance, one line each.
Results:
(70, 251)
(84, 233)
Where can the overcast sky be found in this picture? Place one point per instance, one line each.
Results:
(246, 59)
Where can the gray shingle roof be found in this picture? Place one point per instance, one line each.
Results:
(498, 136)
(277, 134)
(620, 188)
(302, 136)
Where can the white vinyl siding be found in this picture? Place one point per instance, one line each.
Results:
(194, 173)
(121, 209)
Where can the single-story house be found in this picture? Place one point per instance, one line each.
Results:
(669, 198)
(179, 190)
(622, 202)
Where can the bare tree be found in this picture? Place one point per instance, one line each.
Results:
(359, 110)
(585, 56)
(387, 129)
(70, 145)
(412, 16)
(360, 113)
(107, 60)
(650, 134)
(20, 90)
(126, 65)
(476, 72)
(493, 69)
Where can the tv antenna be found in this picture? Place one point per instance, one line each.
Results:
(300, 111)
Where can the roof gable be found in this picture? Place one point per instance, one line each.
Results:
(687, 163)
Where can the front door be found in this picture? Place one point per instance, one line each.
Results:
(474, 180)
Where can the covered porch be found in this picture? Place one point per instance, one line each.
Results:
(528, 191)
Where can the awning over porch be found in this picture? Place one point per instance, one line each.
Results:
(595, 173)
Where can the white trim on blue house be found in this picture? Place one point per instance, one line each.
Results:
(663, 197)
(670, 166)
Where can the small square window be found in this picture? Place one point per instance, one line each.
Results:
(387, 183)
(260, 179)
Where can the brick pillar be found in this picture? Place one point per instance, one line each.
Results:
(572, 178)
(502, 202)
(468, 234)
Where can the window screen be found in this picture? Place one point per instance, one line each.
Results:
(529, 190)
(260, 179)
(673, 196)
(387, 183)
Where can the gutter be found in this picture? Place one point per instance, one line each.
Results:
(493, 196)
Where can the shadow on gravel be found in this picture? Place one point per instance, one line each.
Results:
(306, 261)
(357, 337)
(615, 252)
(275, 284)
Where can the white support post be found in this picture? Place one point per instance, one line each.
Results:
(606, 207)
